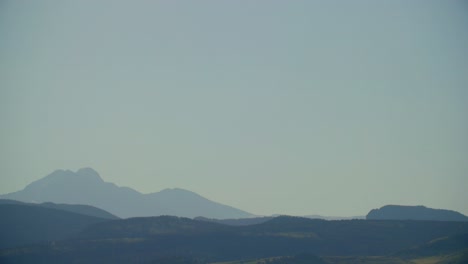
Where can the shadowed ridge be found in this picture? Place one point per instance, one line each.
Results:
(149, 227)
(81, 209)
(136, 238)
(74, 208)
(23, 224)
(439, 246)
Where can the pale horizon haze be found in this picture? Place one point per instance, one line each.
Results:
(273, 107)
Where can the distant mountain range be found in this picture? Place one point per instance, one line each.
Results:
(400, 212)
(74, 191)
(86, 187)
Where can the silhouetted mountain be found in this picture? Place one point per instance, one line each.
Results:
(86, 187)
(400, 212)
(152, 239)
(75, 208)
(26, 224)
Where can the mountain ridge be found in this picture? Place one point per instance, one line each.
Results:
(85, 186)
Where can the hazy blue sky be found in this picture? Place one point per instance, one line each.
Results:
(295, 107)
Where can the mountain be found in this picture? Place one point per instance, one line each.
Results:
(26, 224)
(86, 187)
(400, 212)
(74, 208)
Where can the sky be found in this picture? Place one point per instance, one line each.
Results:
(290, 107)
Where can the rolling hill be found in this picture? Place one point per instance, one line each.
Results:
(166, 239)
(22, 224)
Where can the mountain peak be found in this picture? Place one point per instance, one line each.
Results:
(89, 173)
(83, 173)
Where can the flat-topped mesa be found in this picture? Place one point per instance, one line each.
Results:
(402, 212)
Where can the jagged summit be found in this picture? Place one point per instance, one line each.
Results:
(83, 173)
(83, 176)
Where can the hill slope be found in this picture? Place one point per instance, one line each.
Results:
(86, 187)
(439, 246)
(400, 212)
(74, 208)
(26, 224)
